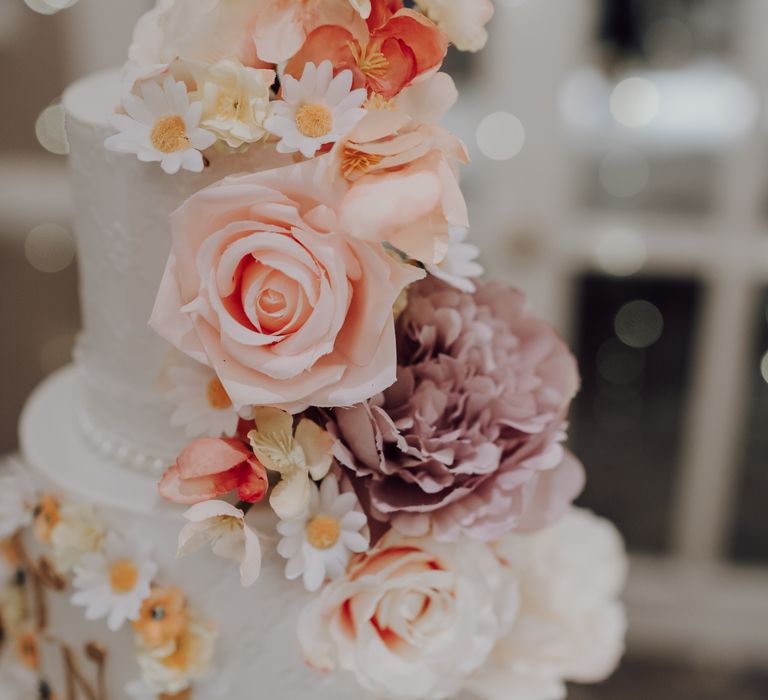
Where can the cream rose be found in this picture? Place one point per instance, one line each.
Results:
(462, 20)
(571, 622)
(264, 286)
(413, 618)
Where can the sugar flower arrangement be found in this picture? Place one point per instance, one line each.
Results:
(112, 576)
(340, 362)
(292, 75)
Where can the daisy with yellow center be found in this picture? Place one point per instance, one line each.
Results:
(319, 544)
(201, 403)
(162, 126)
(115, 582)
(317, 110)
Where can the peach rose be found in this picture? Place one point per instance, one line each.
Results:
(396, 154)
(412, 619)
(265, 286)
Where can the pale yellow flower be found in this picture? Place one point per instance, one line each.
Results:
(235, 101)
(297, 456)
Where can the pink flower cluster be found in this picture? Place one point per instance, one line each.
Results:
(468, 440)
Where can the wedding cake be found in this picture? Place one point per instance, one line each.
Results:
(302, 451)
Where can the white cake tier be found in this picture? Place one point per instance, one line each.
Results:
(122, 208)
(258, 654)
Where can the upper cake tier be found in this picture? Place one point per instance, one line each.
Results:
(122, 217)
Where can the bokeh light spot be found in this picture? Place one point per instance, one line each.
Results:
(49, 248)
(638, 324)
(49, 7)
(500, 136)
(764, 367)
(51, 131)
(635, 102)
(621, 251)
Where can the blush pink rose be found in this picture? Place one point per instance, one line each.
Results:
(413, 618)
(265, 286)
(211, 467)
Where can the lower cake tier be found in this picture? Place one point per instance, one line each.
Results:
(243, 641)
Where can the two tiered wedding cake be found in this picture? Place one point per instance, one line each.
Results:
(332, 465)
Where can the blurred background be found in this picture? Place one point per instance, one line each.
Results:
(619, 177)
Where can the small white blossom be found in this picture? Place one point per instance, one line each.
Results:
(319, 544)
(316, 110)
(202, 406)
(113, 583)
(224, 526)
(459, 265)
(162, 126)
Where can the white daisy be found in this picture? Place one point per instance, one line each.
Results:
(80, 530)
(202, 406)
(17, 499)
(316, 110)
(319, 544)
(224, 526)
(162, 126)
(459, 265)
(114, 583)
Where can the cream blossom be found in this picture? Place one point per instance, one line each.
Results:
(235, 101)
(571, 623)
(172, 670)
(113, 583)
(162, 126)
(177, 34)
(463, 21)
(17, 500)
(413, 618)
(79, 531)
(319, 544)
(459, 265)
(318, 109)
(209, 687)
(297, 456)
(201, 404)
(224, 526)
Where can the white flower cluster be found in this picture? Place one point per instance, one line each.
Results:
(114, 578)
(514, 620)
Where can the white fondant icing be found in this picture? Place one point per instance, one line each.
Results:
(258, 654)
(122, 229)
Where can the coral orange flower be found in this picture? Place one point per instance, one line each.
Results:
(28, 650)
(401, 46)
(211, 467)
(162, 618)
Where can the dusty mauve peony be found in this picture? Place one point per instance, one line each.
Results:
(571, 623)
(265, 286)
(413, 618)
(469, 437)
